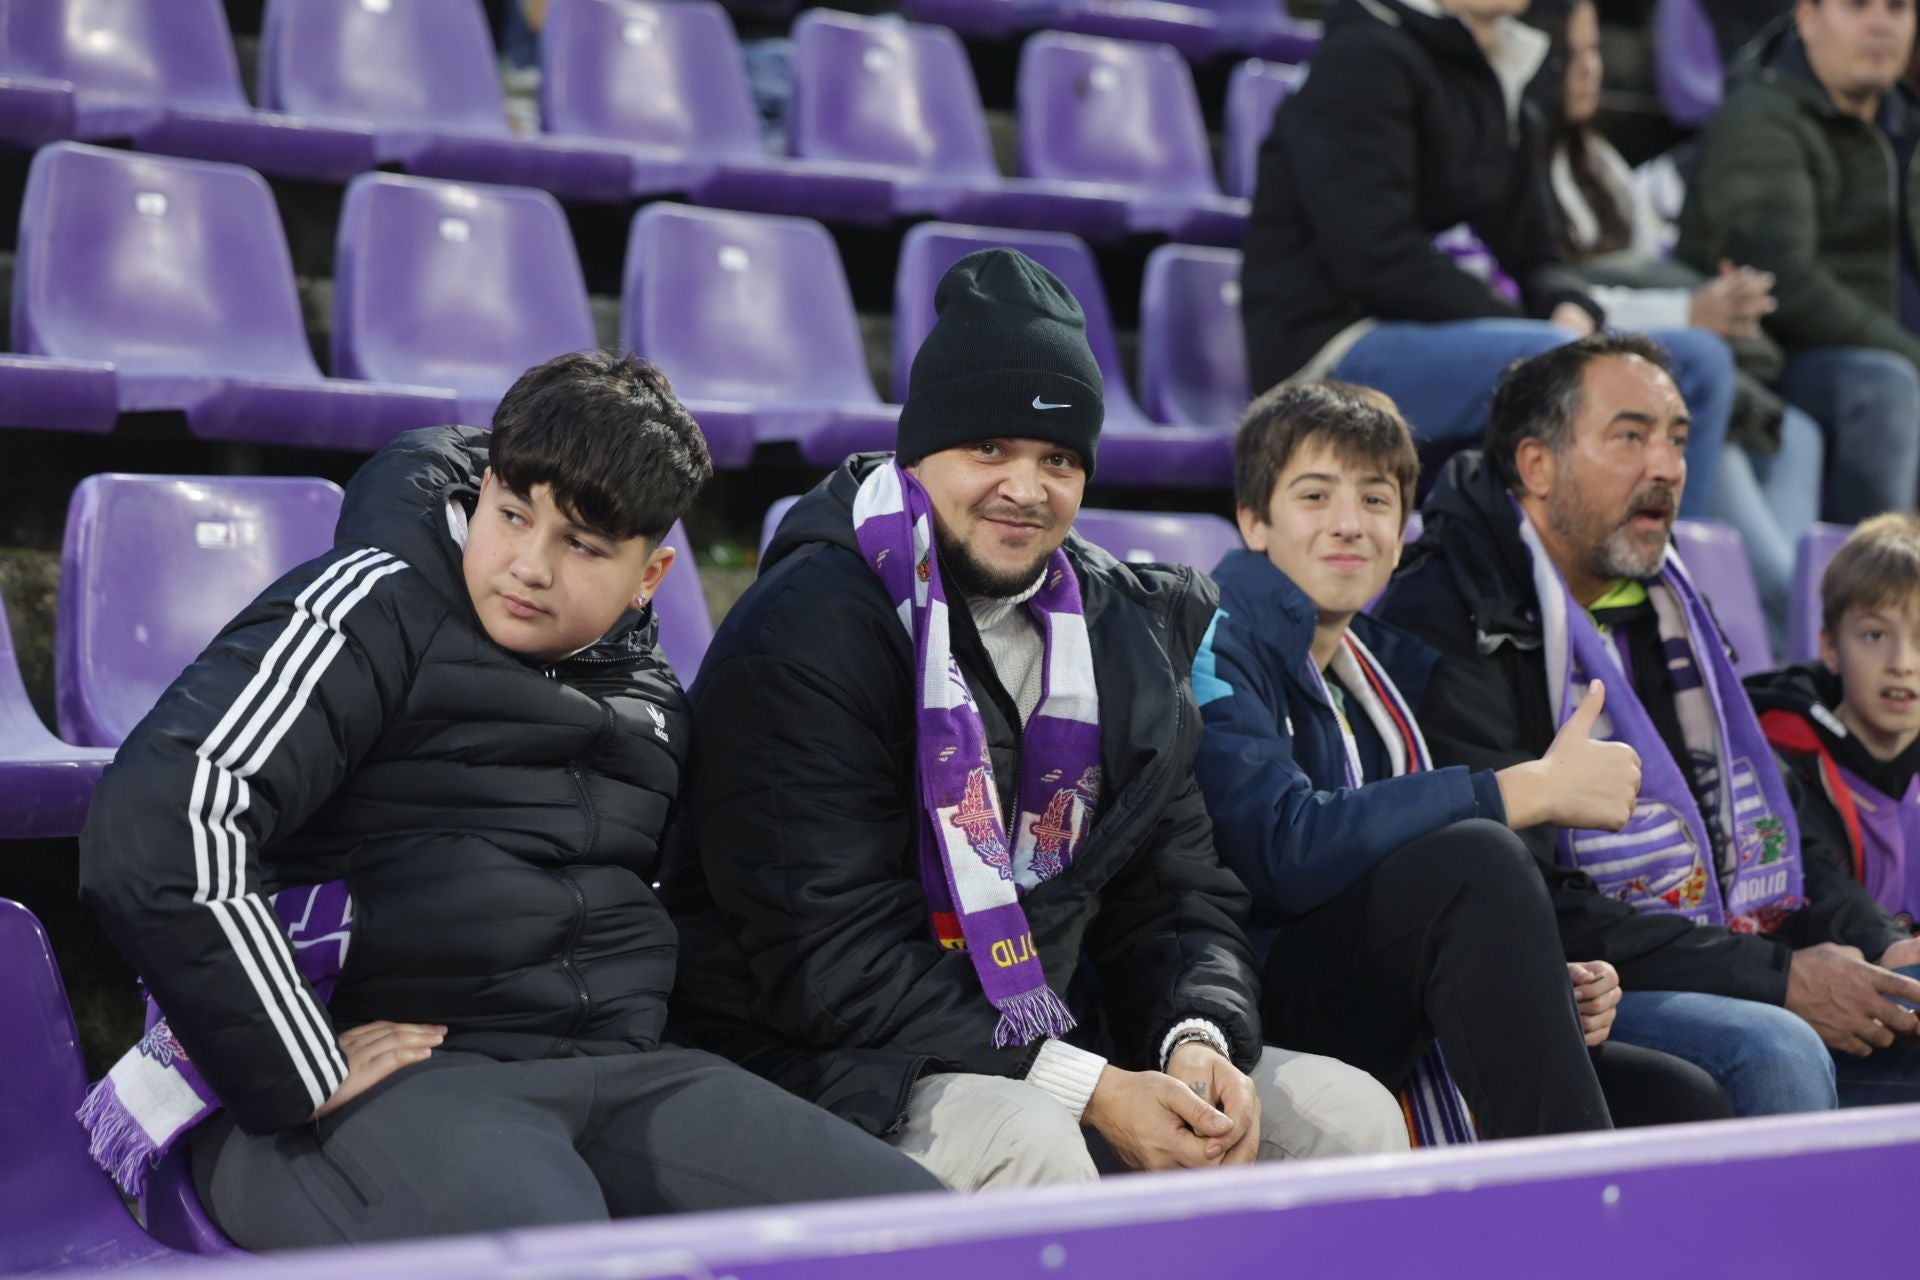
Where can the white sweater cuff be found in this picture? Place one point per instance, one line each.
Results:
(1214, 1035)
(1067, 1073)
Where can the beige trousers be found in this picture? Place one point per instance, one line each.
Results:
(988, 1131)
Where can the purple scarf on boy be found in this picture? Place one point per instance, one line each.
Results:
(1738, 863)
(972, 873)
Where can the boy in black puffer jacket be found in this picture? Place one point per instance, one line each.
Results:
(461, 714)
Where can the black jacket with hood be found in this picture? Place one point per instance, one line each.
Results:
(793, 875)
(497, 822)
(1402, 130)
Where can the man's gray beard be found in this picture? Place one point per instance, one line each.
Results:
(1614, 556)
(966, 576)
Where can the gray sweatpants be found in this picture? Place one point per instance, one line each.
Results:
(462, 1143)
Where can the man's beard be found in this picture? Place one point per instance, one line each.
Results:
(1610, 551)
(966, 576)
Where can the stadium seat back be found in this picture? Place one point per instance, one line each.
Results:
(657, 74)
(1717, 562)
(686, 625)
(1688, 70)
(175, 51)
(1193, 359)
(427, 64)
(881, 91)
(1169, 538)
(1112, 111)
(151, 570)
(1255, 91)
(157, 265)
(451, 284)
(744, 307)
(931, 247)
(1810, 559)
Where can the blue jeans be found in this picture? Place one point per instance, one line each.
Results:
(1443, 376)
(1869, 402)
(1889, 1076)
(1771, 500)
(1769, 1061)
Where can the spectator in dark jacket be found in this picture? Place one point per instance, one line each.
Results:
(460, 712)
(1808, 172)
(1410, 124)
(1379, 880)
(953, 879)
(1547, 559)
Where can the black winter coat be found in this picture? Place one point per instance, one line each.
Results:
(497, 822)
(793, 876)
(1400, 132)
(1466, 588)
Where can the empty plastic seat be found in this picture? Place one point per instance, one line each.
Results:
(666, 81)
(1125, 115)
(45, 785)
(424, 76)
(686, 625)
(58, 395)
(34, 110)
(1193, 358)
(153, 567)
(1810, 560)
(1686, 62)
(902, 97)
(57, 1209)
(1717, 562)
(1133, 449)
(176, 272)
(1255, 91)
(751, 317)
(162, 74)
(1167, 537)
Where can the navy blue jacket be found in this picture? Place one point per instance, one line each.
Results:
(1272, 764)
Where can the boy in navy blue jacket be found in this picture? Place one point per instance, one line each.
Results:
(1402, 924)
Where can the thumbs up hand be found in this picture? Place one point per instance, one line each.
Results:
(1591, 783)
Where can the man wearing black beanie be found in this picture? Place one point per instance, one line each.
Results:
(943, 867)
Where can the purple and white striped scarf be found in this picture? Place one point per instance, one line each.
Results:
(155, 1094)
(1737, 863)
(973, 875)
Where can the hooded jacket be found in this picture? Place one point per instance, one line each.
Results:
(1790, 184)
(1273, 761)
(497, 821)
(1466, 588)
(1796, 706)
(1402, 131)
(794, 873)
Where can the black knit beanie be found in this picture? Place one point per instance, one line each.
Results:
(1007, 357)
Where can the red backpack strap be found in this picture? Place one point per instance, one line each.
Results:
(1792, 732)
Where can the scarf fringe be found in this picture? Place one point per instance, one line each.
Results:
(1032, 1015)
(115, 1139)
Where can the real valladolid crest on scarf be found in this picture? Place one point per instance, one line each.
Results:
(972, 873)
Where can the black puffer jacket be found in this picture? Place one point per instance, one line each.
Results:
(1466, 588)
(794, 879)
(1401, 131)
(496, 822)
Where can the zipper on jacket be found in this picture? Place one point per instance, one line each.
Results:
(583, 1003)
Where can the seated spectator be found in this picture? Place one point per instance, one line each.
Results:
(459, 712)
(1804, 173)
(1603, 217)
(1409, 124)
(1380, 882)
(1847, 726)
(1545, 565)
(946, 869)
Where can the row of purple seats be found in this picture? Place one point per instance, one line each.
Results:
(1197, 28)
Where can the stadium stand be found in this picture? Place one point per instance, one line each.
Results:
(1687, 63)
(686, 624)
(1255, 91)
(44, 783)
(1717, 563)
(1803, 606)
(33, 110)
(1193, 357)
(58, 395)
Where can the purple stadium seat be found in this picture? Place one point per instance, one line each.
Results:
(1190, 29)
(464, 286)
(58, 395)
(1810, 559)
(1717, 561)
(1262, 28)
(45, 785)
(1125, 115)
(1686, 62)
(901, 97)
(424, 76)
(162, 74)
(1255, 91)
(980, 19)
(751, 317)
(666, 80)
(1133, 449)
(152, 568)
(686, 625)
(34, 111)
(177, 273)
(172, 1212)
(1170, 538)
(1193, 360)
(57, 1209)
(770, 523)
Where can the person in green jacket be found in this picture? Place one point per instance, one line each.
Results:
(1808, 172)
